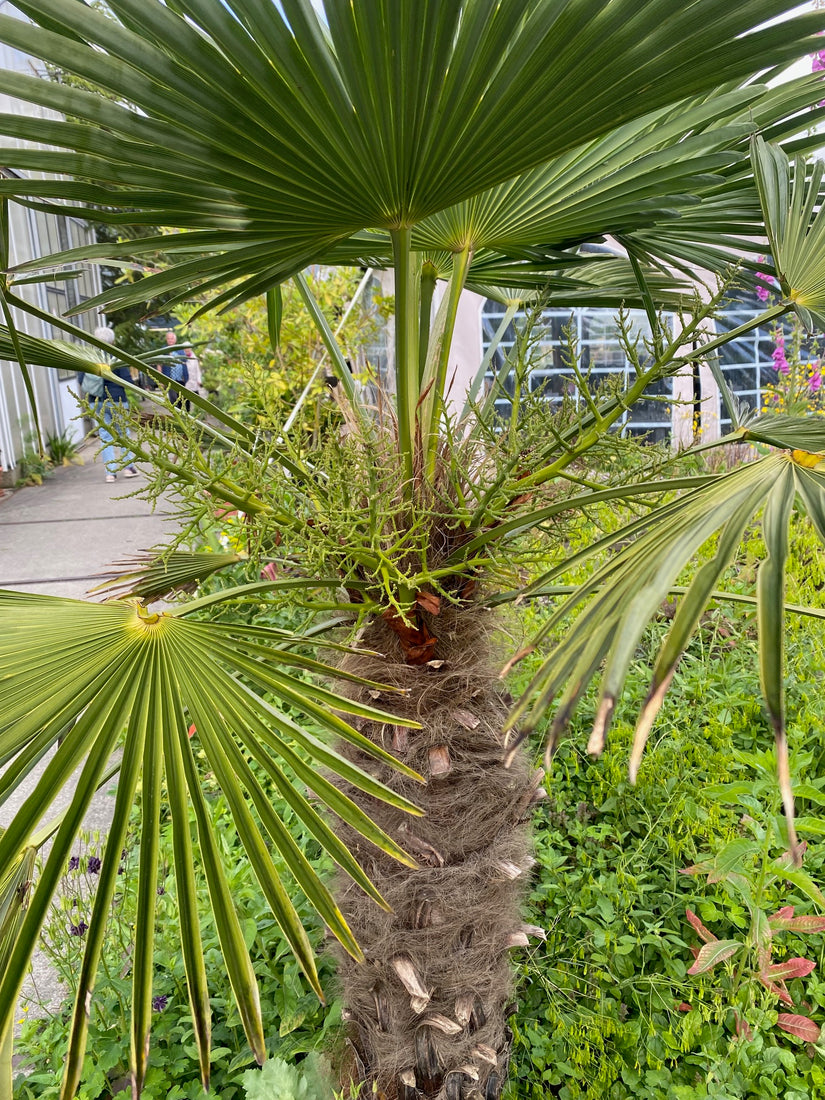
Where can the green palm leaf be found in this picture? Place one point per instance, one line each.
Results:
(625, 593)
(15, 883)
(795, 222)
(161, 575)
(288, 151)
(642, 172)
(122, 669)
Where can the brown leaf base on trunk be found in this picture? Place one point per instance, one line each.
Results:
(427, 1006)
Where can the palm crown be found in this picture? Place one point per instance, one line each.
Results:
(480, 143)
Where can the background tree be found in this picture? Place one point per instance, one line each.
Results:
(476, 143)
(250, 364)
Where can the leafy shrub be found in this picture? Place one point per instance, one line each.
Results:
(63, 450)
(278, 1080)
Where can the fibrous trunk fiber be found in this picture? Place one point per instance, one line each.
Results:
(428, 1007)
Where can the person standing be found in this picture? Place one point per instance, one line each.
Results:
(175, 367)
(195, 382)
(108, 400)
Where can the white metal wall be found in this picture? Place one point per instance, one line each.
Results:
(56, 407)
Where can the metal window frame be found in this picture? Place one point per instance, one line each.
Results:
(492, 313)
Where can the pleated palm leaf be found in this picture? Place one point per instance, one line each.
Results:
(15, 883)
(479, 143)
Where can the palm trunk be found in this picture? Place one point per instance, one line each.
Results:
(427, 1008)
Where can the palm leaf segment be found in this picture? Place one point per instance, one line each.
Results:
(15, 884)
(111, 677)
(647, 559)
(276, 133)
(791, 200)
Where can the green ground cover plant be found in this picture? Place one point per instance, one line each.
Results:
(604, 1004)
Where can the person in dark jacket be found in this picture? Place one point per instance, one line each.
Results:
(176, 367)
(109, 405)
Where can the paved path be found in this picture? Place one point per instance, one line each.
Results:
(58, 538)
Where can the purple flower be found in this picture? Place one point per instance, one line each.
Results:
(161, 890)
(160, 1002)
(815, 381)
(78, 929)
(93, 865)
(74, 863)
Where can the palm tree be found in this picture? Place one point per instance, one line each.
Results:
(477, 142)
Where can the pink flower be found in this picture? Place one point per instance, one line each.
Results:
(815, 381)
(779, 360)
(818, 66)
(763, 293)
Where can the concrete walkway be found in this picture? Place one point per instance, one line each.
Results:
(62, 538)
(58, 537)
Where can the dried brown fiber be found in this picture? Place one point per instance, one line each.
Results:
(427, 1006)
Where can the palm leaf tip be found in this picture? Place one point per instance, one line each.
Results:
(650, 710)
(604, 717)
(151, 576)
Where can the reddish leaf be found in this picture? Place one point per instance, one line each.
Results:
(702, 868)
(713, 953)
(798, 924)
(703, 933)
(417, 641)
(743, 1028)
(269, 572)
(468, 589)
(801, 1026)
(790, 968)
(192, 730)
(785, 913)
(684, 1007)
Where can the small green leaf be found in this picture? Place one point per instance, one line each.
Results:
(274, 316)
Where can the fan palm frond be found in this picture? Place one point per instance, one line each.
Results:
(170, 683)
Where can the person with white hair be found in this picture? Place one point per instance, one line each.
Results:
(108, 400)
